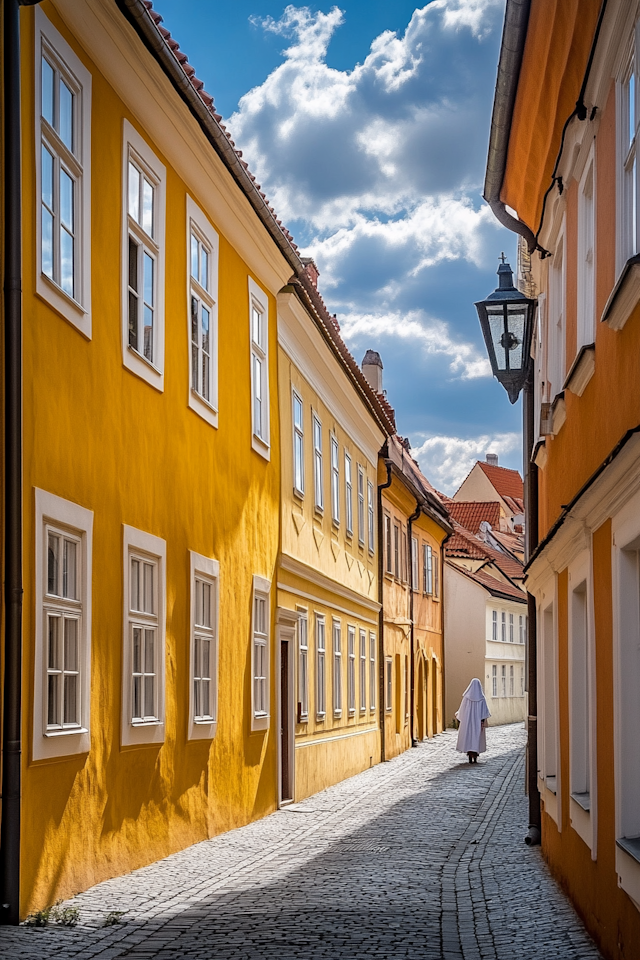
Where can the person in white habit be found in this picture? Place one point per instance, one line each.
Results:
(473, 714)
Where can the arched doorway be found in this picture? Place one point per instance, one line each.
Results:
(420, 697)
(434, 696)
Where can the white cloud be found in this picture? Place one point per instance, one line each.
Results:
(446, 461)
(431, 334)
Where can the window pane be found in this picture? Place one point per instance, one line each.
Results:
(71, 699)
(204, 706)
(70, 645)
(631, 100)
(148, 279)
(133, 299)
(149, 603)
(206, 651)
(52, 700)
(299, 453)
(66, 262)
(53, 554)
(47, 178)
(134, 192)
(256, 326)
(137, 698)
(66, 115)
(204, 268)
(47, 91)
(147, 207)
(205, 329)
(206, 605)
(194, 343)
(47, 243)
(148, 334)
(194, 257)
(297, 412)
(54, 643)
(66, 200)
(137, 650)
(69, 570)
(135, 585)
(149, 692)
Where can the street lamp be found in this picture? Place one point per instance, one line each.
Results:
(506, 318)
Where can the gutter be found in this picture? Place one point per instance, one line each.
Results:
(12, 692)
(410, 521)
(381, 487)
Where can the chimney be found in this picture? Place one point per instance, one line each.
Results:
(311, 270)
(492, 458)
(372, 369)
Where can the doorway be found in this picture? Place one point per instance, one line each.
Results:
(420, 696)
(434, 696)
(286, 714)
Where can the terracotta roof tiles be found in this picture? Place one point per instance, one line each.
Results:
(495, 587)
(471, 513)
(507, 482)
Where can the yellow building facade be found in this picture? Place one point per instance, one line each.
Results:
(332, 427)
(151, 448)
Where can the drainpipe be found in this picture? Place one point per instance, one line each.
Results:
(412, 585)
(12, 706)
(531, 541)
(381, 487)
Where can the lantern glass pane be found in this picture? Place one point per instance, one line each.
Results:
(495, 316)
(515, 324)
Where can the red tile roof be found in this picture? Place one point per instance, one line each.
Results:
(470, 513)
(464, 544)
(495, 587)
(507, 482)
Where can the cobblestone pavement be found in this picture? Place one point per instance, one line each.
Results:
(421, 857)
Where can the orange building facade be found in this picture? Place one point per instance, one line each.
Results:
(563, 173)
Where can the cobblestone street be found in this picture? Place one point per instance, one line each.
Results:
(421, 857)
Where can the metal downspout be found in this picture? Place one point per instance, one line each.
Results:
(412, 585)
(381, 487)
(12, 705)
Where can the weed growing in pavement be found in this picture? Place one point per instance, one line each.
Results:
(65, 916)
(114, 917)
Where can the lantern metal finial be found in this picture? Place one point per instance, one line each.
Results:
(506, 318)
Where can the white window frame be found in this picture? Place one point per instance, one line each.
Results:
(321, 665)
(627, 160)
(348, 491)
(303, 665)
(435, 559)
(587, 253)
(362, 642)
(427, 569)
(361, 530)
(556, 340)
(67, 518)
(198, 225)
(415, 579)
(261, 588)
(373, 674)
(208, 570)
(503, 680)
(521, 628)
(140, 544)
(260, 433)
(494, 680)
(503, 626)
(351, 670)
(335, 479)
(387, 544)
(371, 517)
(318, 476)
(512, 681)
(510, 628)
(336, 647)
(135, 147)
(494, 625)
(77, 309)
(388, 685)
(548, 700)
(396, 550)
(298, 443)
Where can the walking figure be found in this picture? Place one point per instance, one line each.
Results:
(473, 714)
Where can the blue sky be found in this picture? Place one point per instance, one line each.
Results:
(367, 125)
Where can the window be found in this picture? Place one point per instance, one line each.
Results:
(351, 670)
(405, 561)
(627, 124)
(510, 628)
(317, 464)
(202, 294)
(548, 667)
(64, 536)
(586, 256)
(363, 671)
(387, 543)
(259, 327)
(503, 627)
(396, 551)
(372, 672)
(337, 668)
(360, 504)
(415, 581)
(556, 332)
(203, 706)
(298, 445)
(348, 489)
(260, 654)
(494, 624)
(522, 681)
(144, 562)
(511, 682)
(335, 481)
(303, 667)
(520, 629)
(427, 568)
(388, 687)
(436, 576)
(579, 696)
(494, 681)
(503, 684)
(372, 538)
(321, 684)
(63, 177)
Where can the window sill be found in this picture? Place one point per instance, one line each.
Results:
(337, 714)
(551, 783)
(68, 732)
(298, 493)
(259, 723)
(539, 455)
(144, 732)
(624, 296)
(583, 800)
(630, 845)
(582, 369)
(558, 413)
(203, 408)
(139, 365)
(321, 717)
(203, 729)
(261, 447)
(64, 305)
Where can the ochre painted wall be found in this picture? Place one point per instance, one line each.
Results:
(97, 435)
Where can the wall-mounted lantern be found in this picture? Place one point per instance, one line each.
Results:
(506, 318)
